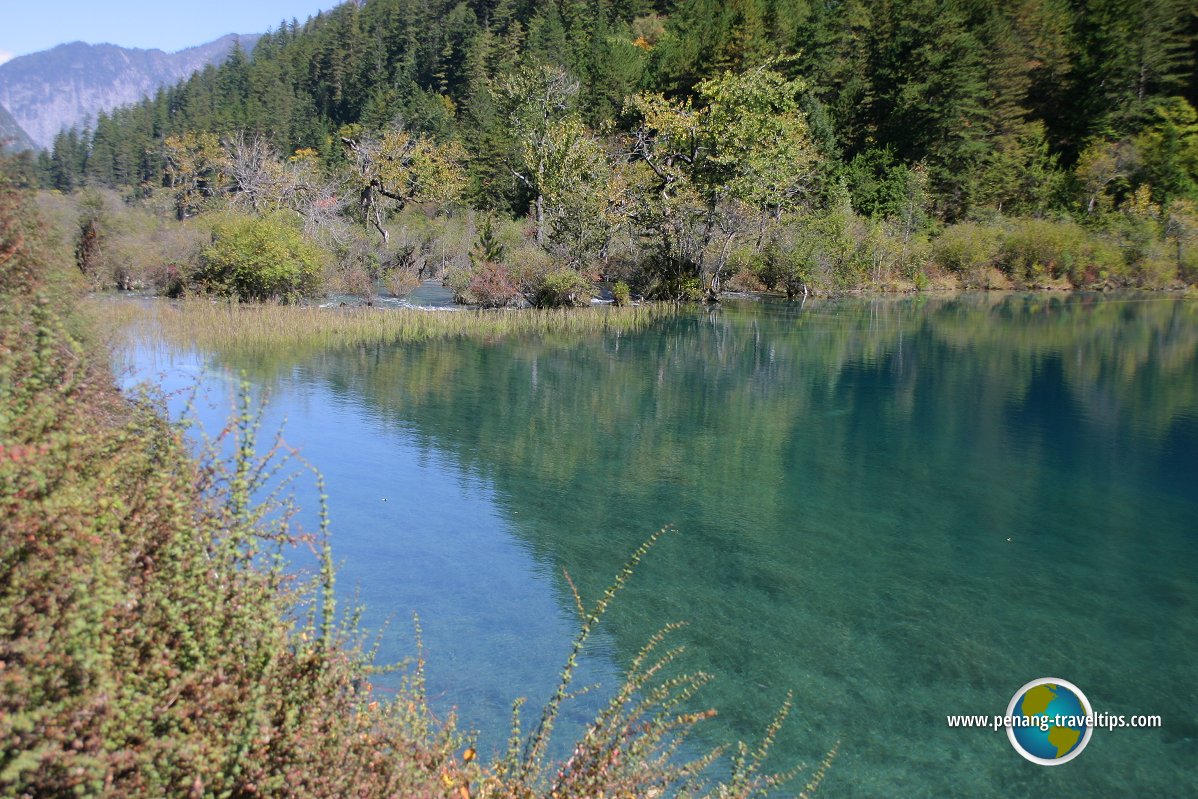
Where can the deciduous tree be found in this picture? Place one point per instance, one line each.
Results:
(403, 168)
(742, 145)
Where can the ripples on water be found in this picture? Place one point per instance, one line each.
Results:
(898, 509)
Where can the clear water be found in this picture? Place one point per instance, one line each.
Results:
(896, 509)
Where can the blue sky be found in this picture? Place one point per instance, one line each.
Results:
(27, 26)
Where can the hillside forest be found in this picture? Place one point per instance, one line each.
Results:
(527, 150)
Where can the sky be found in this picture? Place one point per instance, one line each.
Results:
(27, 26)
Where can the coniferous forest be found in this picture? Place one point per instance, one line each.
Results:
(684, 148)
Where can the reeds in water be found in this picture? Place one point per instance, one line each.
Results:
(224, 326)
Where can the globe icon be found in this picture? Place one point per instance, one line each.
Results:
(1050, 721)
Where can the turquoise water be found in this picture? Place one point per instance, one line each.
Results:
(897, 509)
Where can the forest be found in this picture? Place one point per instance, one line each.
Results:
(527, 150)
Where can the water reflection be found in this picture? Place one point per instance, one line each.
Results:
(898, 509)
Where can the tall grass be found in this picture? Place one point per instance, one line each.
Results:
(246, 328)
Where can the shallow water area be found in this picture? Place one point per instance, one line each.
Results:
(898, 509)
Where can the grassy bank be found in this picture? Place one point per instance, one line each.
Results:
(151, 644)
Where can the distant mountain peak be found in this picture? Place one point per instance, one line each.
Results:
(12, 137)
(73, 82)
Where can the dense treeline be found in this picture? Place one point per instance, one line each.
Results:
(900, 118)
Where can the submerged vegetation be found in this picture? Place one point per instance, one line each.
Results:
(228, 327)
(153, 643)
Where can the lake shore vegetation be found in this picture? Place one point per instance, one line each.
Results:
(537, 155)
(153, 641)
(224, 326)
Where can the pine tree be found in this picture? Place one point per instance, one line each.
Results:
(1131, 52)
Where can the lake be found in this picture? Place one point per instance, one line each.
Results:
(898, 509)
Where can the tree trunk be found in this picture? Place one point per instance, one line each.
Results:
(540, 205)
(372, 212)
(713, 290)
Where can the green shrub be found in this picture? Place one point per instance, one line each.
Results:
(744, 268)
(1038, 250)
(745, 259)
(1157, 267)
(124, 245)
(772, 267)
(489, 248)
(824, 250)
(458, 282)
(621, 293)
(260, 258)
(679, 288)
(1103, 263)
(1181, 236)
(1187, 266)
(969, 249)
(562, 287)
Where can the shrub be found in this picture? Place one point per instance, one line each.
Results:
(1038, 251)
(354, 261)
(356, 281)
(562, 287)
(1157, 267)
(744, 280)
(90, 238)
(264, 258)
(489, 281)
(1103, 263)
(118, 244)
(1035, 251)
(621, 293)
(822, 251)
(458, 282)
(679, 288)
(490, 286)
(968, 249)
(489, 247)
(1187, 262)
(400, 282)
(1181, 235)
(744, 268)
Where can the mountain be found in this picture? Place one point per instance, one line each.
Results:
(68, 84)
(12, 136)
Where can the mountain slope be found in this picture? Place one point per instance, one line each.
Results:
(70, 83)
(13, 138)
